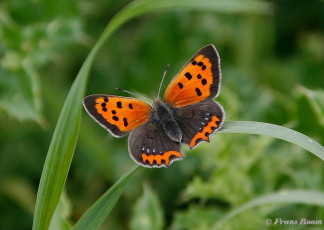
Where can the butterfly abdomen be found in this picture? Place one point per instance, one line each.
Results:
(163, 113)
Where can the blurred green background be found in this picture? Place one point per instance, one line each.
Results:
(273, 71)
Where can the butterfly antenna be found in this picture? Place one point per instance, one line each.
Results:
(135, 94)
(164, 73)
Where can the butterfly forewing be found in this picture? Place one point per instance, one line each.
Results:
(198, 80)
(117, 114)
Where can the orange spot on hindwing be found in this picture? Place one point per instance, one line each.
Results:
(158, 158)
(205, 132)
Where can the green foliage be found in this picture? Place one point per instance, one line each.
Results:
(147, 213)
(306, 197)
(60, 219)
(272, 72)
(29, 42)
(95, 215)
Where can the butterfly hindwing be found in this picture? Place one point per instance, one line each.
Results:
(198, 121)
(149, 146)
(118, 115)
(198, 80)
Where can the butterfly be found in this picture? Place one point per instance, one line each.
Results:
(187, 114)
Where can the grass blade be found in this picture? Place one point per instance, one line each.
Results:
(61, 149)
(141, 7)
(298, 196)
(58, 158)
(97, 213)
(283, 133)
(59, 154)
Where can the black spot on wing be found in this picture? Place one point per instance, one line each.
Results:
(125, 121)
(204, 81)
(198, 92)
(119, 104)
(180, 85)
(188, 75)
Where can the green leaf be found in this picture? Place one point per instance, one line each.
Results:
(283, 133)
(310, 110)
(298, 196)
(19, 191)
(97, 213)
(147, 213)
(20, 94)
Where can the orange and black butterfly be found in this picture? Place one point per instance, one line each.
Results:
(188, 114)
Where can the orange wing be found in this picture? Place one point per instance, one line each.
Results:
(198, 80)
(118, 115)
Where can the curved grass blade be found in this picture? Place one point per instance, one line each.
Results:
(97, 213)
(141, 7)
(60, 153)
(283, 133)
(294, 197)
(61, 149)
(63, 142)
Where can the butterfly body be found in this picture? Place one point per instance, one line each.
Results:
(164, 114)
(187, 114)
